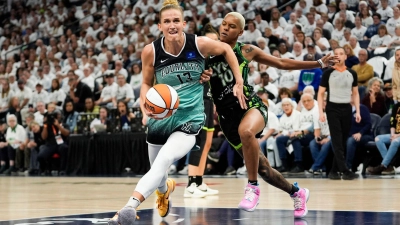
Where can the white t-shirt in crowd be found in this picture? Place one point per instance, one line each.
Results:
(39, 117)
(337, 35)
(273, 123)
(377, 41)
(289, 124)
(136, 81)
(57, 96)
(289, 78)
(16, 135)
(109, 92)
(359, 33)
(125, 92)
(391, 25)
(43, 96)
(385, 13)
(25, 94)
(309, 119)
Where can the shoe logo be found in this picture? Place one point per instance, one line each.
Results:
(191, 192)
(162, 61)
(202, 190)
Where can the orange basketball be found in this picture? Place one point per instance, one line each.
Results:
(162, 100)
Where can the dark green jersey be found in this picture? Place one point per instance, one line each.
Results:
(223, 80)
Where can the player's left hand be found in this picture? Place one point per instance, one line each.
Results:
(328, 60)
(238, 92)
(206, 76)
(358, 117)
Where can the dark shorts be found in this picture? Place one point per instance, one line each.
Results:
(230, 118)
(209, 111)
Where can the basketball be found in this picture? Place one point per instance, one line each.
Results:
(162, 100)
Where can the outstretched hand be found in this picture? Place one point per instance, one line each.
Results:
(238, 92)
(329, 60)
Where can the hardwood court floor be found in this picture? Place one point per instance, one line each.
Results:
(33, 197)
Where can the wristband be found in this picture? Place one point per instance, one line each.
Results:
(320, 63)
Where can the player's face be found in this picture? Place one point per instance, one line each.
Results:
(212, 36)
(230, 29)
(172, 24)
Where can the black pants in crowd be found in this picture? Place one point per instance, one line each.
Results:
(47, 151)
(339, 119)
(7, 154)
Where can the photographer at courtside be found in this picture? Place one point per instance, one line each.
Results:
(55, 136)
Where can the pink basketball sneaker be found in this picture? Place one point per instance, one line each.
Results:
(300, 199)
(251, 198)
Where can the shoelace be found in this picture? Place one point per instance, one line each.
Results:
(298, 203)
(249, 194)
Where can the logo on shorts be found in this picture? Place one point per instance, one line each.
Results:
(186, 127)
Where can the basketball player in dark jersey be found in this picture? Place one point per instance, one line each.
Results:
(196, 188)
(176, 59)
(242, 126)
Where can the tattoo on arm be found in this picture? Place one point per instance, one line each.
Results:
(250, 49)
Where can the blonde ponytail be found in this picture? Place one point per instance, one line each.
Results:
(171, 4)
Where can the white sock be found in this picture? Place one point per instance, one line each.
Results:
(133, 202)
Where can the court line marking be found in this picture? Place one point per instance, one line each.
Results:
(389, 211)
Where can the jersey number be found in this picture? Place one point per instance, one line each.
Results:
(186, 76)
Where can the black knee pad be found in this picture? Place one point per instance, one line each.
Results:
(195, 155)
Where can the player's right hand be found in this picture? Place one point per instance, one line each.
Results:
(322, 118)
(238, 92)
(206, 75)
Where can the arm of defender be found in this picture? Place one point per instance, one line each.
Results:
(209, 47)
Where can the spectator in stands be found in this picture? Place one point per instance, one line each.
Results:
(91, 109)
(364, 71)
(338, 32)
(108, 92)
(346, 37)
(251, 35)
(272, 40)
(136, 78)
(88, 79)
(309, 76)
(354, 45)
(56, 96)
(388, 97)
(311, 49)
(382, 39)
(298, 52)
(320, 146)
(360, 134)
(40, 112)
(320, 41)
(55, 134)
(359, 30)
(284, 51)
(277, 31)
(351, 60)
(24, 95)
(283, 93)
(373, 29)
(395, 41)
(39, 95)
(260, 23)
(124, 92)
(102, 120)
(347, 23)
(33, 146)
(310, 25)
(70, 115)
(15, 138)
(79, 91)
(289, 122)
(374, 98)
(392, 23)
(393, 139)
(6, 95)
(124, 114)
(385, 11)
